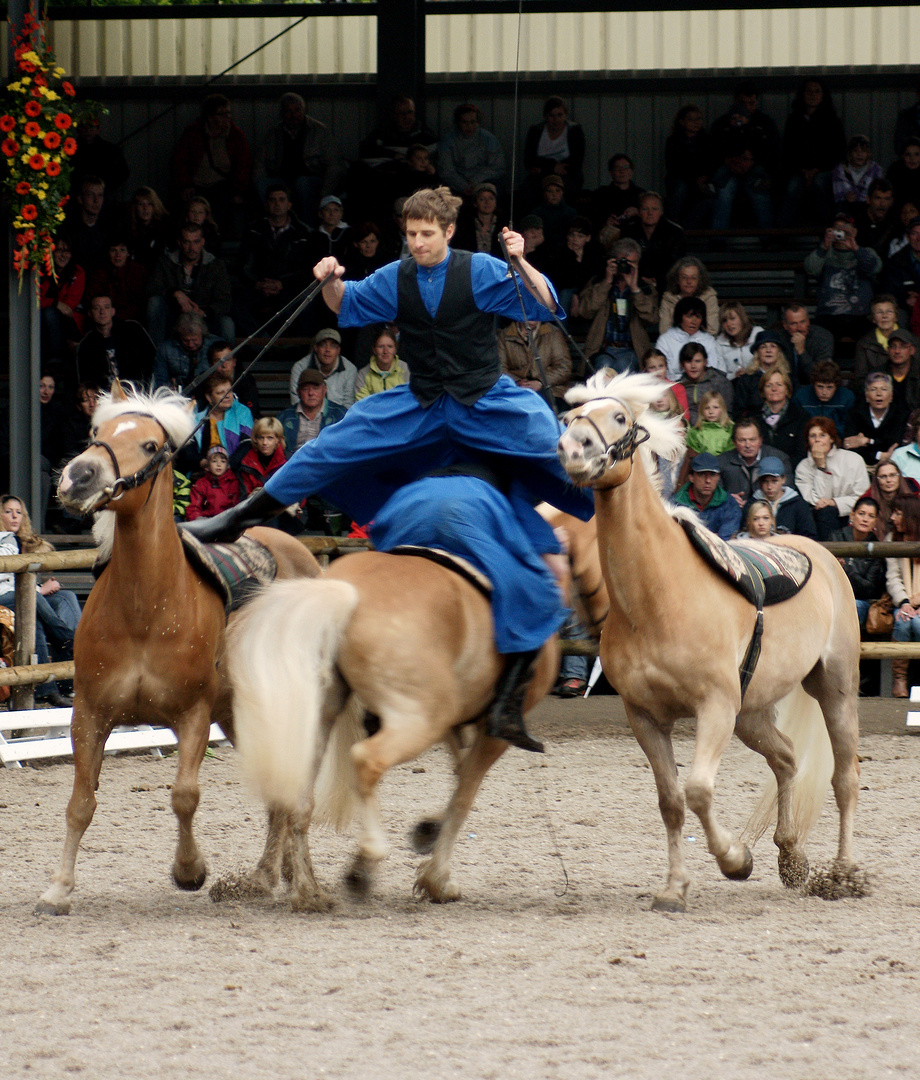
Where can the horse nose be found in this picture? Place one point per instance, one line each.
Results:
(568, 448)
(77, 474)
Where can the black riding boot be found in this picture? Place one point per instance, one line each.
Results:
(506, 720)
(229, 525)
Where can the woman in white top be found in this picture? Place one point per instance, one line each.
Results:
(735, 344)
(689, 316)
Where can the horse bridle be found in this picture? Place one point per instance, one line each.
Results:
(626, 445)
(123, 484)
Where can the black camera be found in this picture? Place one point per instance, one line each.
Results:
(624, 267)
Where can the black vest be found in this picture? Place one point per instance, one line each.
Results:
(453, 352)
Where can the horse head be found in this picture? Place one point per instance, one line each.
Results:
(132, 437)
(611, 421)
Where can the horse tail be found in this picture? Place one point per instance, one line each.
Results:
(336, 790)
(281, 656)
(799, 717)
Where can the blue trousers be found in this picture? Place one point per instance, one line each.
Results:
(388, 440)
(468, 517)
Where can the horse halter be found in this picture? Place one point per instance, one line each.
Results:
(123, 484)
(625, 446)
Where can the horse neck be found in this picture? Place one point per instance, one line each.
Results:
(146, 548)
(642, 548)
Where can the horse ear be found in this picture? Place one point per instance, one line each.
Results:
(118, 391)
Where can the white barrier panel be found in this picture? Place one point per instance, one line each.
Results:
(913, 718)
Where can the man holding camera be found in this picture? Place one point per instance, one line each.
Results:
(846, 276)
(619, 302)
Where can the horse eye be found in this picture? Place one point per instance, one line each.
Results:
(620, 418)
(150, 446)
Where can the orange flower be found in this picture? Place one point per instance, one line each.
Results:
(37, 161)
(23, 187)
(29, 212)
(62, 121)
(70, 146)
(32, 130)
(40, 80)
(63, 202)
(9, 147)
(31, 108)
(52, 140)
(7, 122)
(27, 66)
(53, 168)
(35, 92)
(68, 89)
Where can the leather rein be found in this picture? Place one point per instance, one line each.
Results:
(123, 484)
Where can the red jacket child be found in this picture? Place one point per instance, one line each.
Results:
(217, 490)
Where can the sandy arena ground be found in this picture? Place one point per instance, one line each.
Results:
(548, 967)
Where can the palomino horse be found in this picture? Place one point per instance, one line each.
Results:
(152, 631)
(677, 634)
(399, 640)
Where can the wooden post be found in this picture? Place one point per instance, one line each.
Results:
(23, 697)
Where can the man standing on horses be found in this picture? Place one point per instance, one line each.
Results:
(456, 408)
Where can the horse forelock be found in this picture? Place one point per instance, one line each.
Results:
(168, 408)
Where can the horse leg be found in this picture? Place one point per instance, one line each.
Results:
(88, 747)
(189, 869)
(757, 731)
(267, 874)
(658, 749)
(714, 726)
(433, 878)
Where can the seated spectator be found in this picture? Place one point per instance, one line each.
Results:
(554, 212)
(813, 143)
(391, 141)
(872, 348)
(689, 277)
(901, 235)
(902, 582)
(739, 466)
(97, 156)
(212, 158)
(266, 455)
(60, 297)
(555, 147)
(339, 374)
(122, 279)
(904, 369)
(735, 343)
(245, 388)
(907, 457)
(746, 148)
(904, 174)
(698, 379)
(229, 423)
(759, 523)
(790, 511)
(468, 155)
(313, 412)
(416, 172)
(876, 219)
(688, 319)
(519, 344)
(688, 164)
(846, 276)
(712, 432)
(478, 224)
(364, 254)
(908, 124)
(189, 281)
(217, 490)
(300, 154)
(768, 356)
(78, 424)
(876, 425)
(654, 362)
(333, 235)
(783, 419)
(826, 396)
(88, 224)
(385, 369)
(580, 260)
(184, 356)
(851, 178)
(803, 343)
(52, 424)
(113, 347)
(662, 242)
(867, 576)
(542, 255)
(198, 212)
(887, 484)
(148, 227)
(619, 303)
(616, 202)
(274, 257)
(829, 478)
(704, 494)
(902, 274)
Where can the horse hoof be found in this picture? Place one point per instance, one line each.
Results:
(358, 882)
(670, 905)
(190, 884)
(43, 907)
(744, 870)
(793, 869)
(424, 834)
(316, 902)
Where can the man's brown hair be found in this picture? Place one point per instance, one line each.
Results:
(433, 204)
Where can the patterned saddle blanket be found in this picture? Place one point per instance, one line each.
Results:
(237, 571)
(763, 573)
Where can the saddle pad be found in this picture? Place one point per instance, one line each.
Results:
(451, 562)
(236, 570)
(763, 573)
